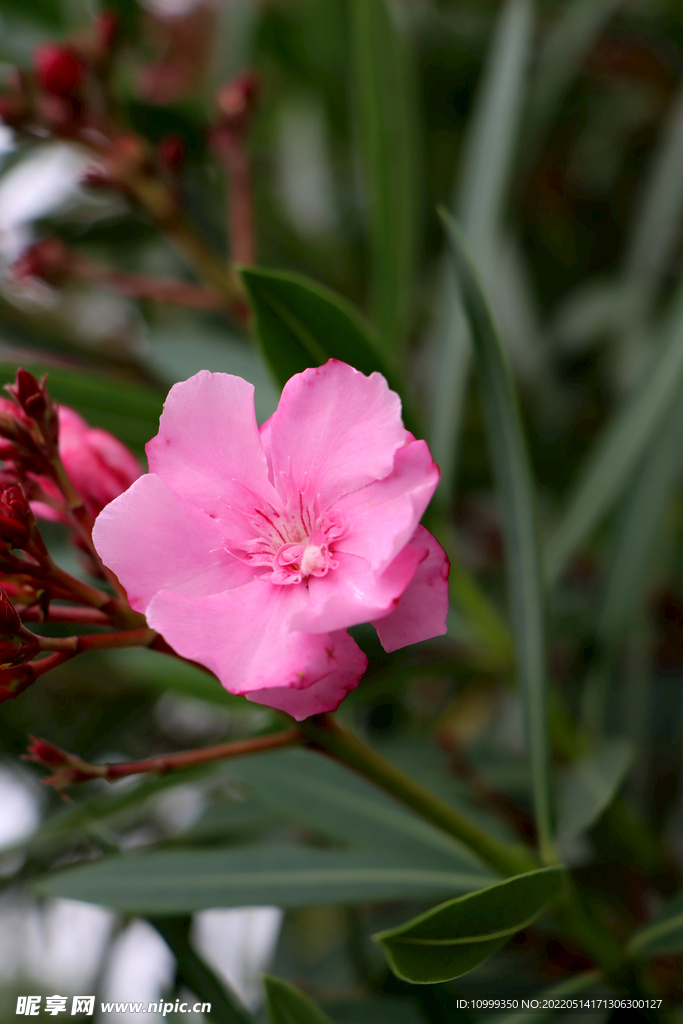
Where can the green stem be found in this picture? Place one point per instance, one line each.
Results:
(323, 732)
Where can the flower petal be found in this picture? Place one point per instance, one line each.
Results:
(208, 447)
(382, 517)
(336, 428)
(353, 593)
(349, 664)
(153, 539)
(421, 612)
(240, 635)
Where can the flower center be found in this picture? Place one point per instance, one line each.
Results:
(312, 557)
(295, 542)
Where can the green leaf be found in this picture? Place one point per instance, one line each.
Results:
(512, 472)
(639, 528)
(286, 1005)
(589, 787)
(480, 195)
(197, 975)
(559, 62)
(568, 987)
(339, 802)
(657, 222)
(661, 937)
(146, 667)
(300, 323)
(385, 93)
(454, 938)
(621, 445)
(182, 881)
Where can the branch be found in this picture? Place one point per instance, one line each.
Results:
(70, 769)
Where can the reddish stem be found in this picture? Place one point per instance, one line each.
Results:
(140, 286)
(71, 769)
(67, 613)
(72, 645)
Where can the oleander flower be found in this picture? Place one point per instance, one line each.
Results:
(252, 551)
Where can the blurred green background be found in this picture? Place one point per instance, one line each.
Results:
(554, 133)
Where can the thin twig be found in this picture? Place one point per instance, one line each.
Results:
(71, 769)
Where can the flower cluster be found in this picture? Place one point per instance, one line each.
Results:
(56, 466)
(252, 551)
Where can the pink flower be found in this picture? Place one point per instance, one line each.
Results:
(97, 463)
(251, 552)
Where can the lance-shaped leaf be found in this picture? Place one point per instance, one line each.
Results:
(300, 323)
(177, 882)
(479, 197)
(286, 1005)
(661, 937)
(386, 102)
(457, 936)
(507, 447)
(624, 441)
(197, 975)
(330, 797)
(589, 787)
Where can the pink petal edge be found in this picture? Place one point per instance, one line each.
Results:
(421, 612)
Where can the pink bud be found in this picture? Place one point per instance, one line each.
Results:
(98, 464)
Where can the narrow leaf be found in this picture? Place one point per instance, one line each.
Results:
(479, 198)
(639, 527)
(507, 447)
(621, 445)
(299, 323)
(341, 803)
(657, 221)
(559, 62)
(661, 937)
(589, 787)
(286, 1005)
(454, 938)
(197, 975)
(182, 881)
(571, 986)
(385, 92)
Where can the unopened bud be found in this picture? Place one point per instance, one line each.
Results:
(47, 261)
(47, 754)
(14, 681)
(59, 69)
(32, 397)
(16, 518)
(107, 31)
(10, 623)
(237, 99)
(29, 394)
(172, 152)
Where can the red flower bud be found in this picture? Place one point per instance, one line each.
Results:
(172, 152)
(14, 681)
(59, 69)
(237, 99)
(29, 394)
(10, 623)
(46, 260)
(107, 30)
(33, 398)
(47, 754)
